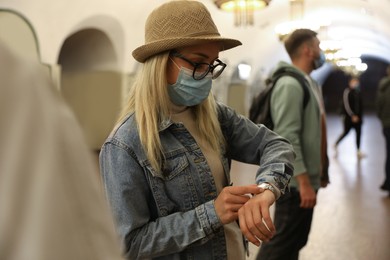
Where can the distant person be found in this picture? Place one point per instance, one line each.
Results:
(352, 112)
(52, 204)
(383, 111)
(166, 165)
(304, 127)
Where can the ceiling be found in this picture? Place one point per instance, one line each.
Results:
(360, 27)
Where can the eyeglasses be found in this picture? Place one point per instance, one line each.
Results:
(201, 69)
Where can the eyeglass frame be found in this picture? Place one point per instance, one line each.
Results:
(211, 67)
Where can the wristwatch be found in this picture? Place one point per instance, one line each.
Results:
(267, 186)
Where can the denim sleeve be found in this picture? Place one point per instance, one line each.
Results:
(256, 144)
(132, 203)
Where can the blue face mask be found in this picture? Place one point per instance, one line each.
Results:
(187, 91)
(319, 61)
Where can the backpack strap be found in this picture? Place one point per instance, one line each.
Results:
(302, 81)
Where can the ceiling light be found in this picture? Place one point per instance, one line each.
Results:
(243, 9)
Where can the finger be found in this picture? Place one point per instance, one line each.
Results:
(307, 203)
(238, 199)
(242, 190)
(268, 221)
(228, 197)
(255, 224)
(245, 230)
(263, 231)
(234, 204)
(304, 202)
(235, 207)
(233, 216)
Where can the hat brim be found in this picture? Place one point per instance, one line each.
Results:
(146, 51)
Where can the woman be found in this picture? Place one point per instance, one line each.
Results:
(166, 164)
(352, 111)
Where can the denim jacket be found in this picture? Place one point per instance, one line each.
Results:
(171, 215)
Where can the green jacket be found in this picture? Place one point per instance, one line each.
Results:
(383, 102)
(301, 126)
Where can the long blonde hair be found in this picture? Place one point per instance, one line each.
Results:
(149, 101)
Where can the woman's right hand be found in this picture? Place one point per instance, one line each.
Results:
(231, 199)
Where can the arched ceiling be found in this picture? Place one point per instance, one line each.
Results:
(361, 27)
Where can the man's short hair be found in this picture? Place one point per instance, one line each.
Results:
(296, 39)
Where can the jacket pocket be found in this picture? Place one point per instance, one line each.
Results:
(173, 189)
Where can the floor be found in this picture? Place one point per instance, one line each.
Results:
(352, 217)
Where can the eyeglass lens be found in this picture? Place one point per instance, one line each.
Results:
(202, 69)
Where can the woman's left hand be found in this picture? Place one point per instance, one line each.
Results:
(255, 219)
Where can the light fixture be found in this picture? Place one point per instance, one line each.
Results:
(336, 51)
(243, 9)
(343, 57)
(297, 10)
(284, 29)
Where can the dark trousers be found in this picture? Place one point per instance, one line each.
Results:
(348, 125)
(386, 133)
(292, 225)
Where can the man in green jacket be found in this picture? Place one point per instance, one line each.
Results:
(304, 127)
(383, 110)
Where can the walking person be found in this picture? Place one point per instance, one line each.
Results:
(166, 164)
(304, 127)
(383, 111)
(352, 113)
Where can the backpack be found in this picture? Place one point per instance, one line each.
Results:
(260, 109)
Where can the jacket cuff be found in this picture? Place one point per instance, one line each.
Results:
(208, 218)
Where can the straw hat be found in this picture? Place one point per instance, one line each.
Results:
(178, 24)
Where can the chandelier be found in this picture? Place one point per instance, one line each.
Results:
(343, 57)
(335, 52)
(297, 10)
(243, 9)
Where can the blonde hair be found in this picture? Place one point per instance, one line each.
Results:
(149, 101)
